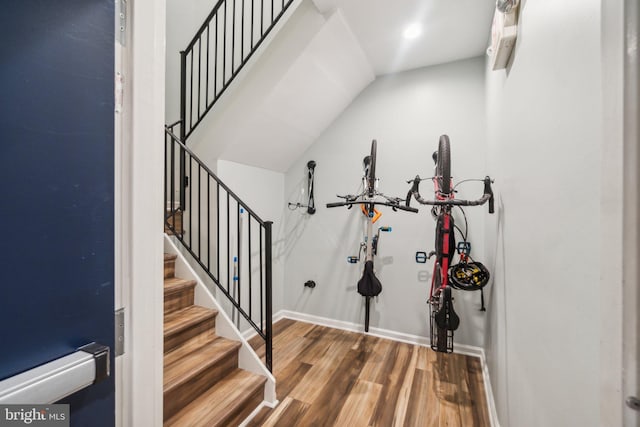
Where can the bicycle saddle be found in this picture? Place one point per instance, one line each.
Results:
(369, 285)
(446, 317)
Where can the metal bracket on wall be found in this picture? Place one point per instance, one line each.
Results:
(121, 22)
(119, 332)
(311, 204)
(633, 403)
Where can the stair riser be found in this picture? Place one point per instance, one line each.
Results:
(178, 300)
(169, 268)
(202, 330)
(245, 410)
(182, 395)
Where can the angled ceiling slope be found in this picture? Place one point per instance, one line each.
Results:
(448, 30)
(320, 83)
(320, 60)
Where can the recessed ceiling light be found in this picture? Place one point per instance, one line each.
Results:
(412, 31)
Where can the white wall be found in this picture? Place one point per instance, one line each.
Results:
(545, 144)
(406, 113)
(263, 191)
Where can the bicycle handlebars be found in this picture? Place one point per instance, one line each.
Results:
(487, 196)
(394, 206)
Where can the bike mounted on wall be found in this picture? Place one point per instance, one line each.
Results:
(311, 204)
(467, 275)
(369, 286)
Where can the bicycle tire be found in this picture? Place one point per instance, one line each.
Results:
(371, 177)
(443, 167)
(439, 335)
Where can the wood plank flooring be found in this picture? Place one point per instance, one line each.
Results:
(330, 377)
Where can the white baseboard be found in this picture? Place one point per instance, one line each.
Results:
(468, 350)
(376, 332)
(488, 391)
(256, 411)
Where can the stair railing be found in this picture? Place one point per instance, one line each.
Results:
(227, 239)
(223, 45)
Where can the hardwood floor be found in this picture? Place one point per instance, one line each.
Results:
(330, 377)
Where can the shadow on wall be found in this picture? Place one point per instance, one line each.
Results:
(298, 218)
(495, 331)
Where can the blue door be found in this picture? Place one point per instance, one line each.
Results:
(56, 175)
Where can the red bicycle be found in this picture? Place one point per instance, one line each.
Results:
(467, 274)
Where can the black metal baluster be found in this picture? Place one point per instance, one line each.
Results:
(228, 244)
(218, 230)
(208, 223)
(253, 11)
(167, 196)
(206, 84)
(233, 38)
(224, 48)
(199, 74)
(249, 260)
(215, 63)
(242, 34)
(199, 210)
(191, 94)
(238, 249)
(261, 282)
(183, 123)
(268, 296)
(190, 205)
(261, 18)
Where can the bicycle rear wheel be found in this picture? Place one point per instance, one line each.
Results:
(371, 177)
(443, 167)
(441, 338)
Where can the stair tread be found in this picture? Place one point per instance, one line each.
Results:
(229, 395)
(186, 348)
(177, 284)
(182, 319)
(176, 372)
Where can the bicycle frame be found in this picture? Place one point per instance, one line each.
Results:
(443, 318)
(369, 285)
(439, 293)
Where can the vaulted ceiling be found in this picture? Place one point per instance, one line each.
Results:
(321, 59)
(444, 31)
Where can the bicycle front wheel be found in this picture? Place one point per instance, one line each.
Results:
(443, 167)
(371, 176)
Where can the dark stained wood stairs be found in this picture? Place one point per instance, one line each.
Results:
(203, 385)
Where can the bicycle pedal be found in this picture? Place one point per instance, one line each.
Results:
(352, 260)
(463, 248)
(421, 257)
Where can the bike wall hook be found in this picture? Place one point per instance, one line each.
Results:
(311, 204)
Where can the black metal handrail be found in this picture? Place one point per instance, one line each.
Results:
(223, 45)
(240, 265)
